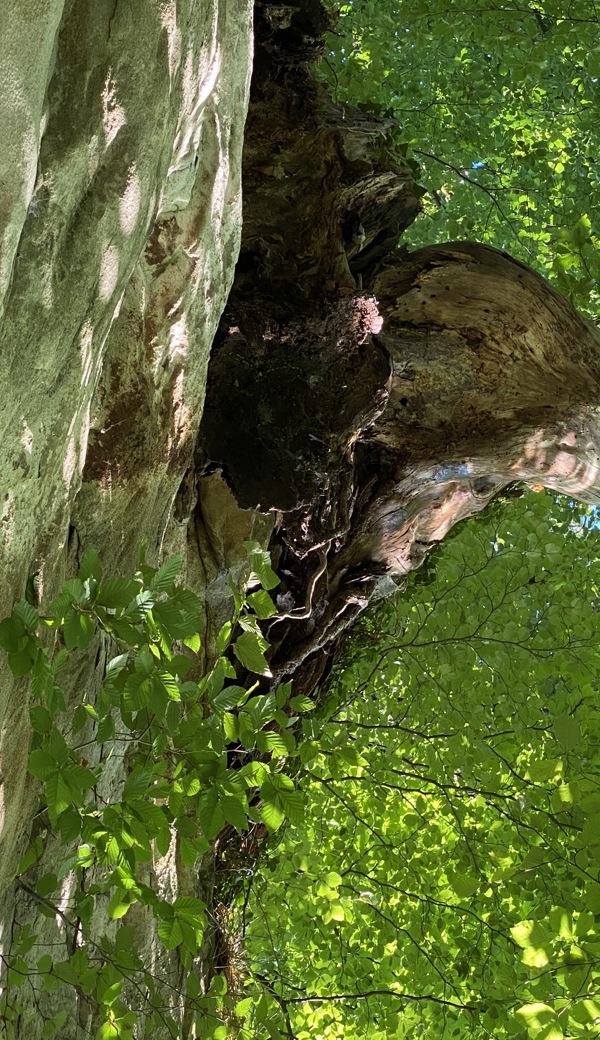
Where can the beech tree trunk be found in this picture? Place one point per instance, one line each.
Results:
(121, 131)
(360, 400)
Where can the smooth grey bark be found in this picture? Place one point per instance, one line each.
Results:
(121, 129)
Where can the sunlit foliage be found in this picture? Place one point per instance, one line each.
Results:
(445, 880)
(497, 103)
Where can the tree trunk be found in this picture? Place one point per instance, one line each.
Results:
(120, 164)
(372, 398)
(360, 400)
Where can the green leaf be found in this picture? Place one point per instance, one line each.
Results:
(244, 1006)
(177, 623)
(192, 987)
(260, 562)
(58, 747)
(238, 599)
(137, 692)
(191, 848)
(283, 694)
(116, 665)
(13, 636)
(230, 697)
(585, 1012)
(18, 972)
(62, 603)
(80, 718)
(180, 665)
(119, 904)
(541, 1021)
(301, 703)
(42, 678)
(164, 579)
(112, 993)
(78, 629)
(140, 606)
(52, 1026)
(293, 805)
(567, 732)
(170, 933)
(144, 661)
(41, 764)
(592, 897)
(210, 813)
(138, 782)
(105, 730)
(90, 566)
(124, 939)
(282, 787)
(79, 778)
(159, 698)
(272, 814)
(32, 855)
(153, 817)
(47, 884)
(262, 604)
(192, 910)
(349, 754)
(274, 742)
(193, 642)
(41, 719)
(541, 772)
(248, 648)
(28, 615)
(117, 592)
(463, 885)
(69, 826)
(170, 685)
(58, 794)
(107, 1031)
(234, 812)
(21, 662)
(532, 937)
(218, 985)
(222, 641)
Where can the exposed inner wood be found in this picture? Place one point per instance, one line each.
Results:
(369, 397)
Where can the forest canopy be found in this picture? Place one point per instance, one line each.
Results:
(245, 805)
(445, 878)
(497, 105)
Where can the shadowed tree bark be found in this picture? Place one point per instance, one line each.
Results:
(360, 401)
(372, 398)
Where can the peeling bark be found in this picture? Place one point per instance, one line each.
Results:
(495, 380)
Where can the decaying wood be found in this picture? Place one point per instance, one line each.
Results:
(369, 398)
